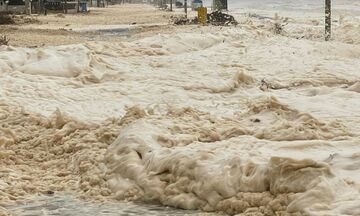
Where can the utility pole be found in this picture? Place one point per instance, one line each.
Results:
(327, 20)
(171, 2)
(185, 7)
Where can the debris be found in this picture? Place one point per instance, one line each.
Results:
(279, 24)
(255, 120)
(6, 19)
(183, 20)
(220, 18)
(215, 18)
(264, 86)
(331, 157)
(179, 20)
(278, 28)
(49, 192)
(4, 40)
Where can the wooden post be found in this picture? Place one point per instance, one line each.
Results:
(327, 20)
(185, 7)
(171, 3)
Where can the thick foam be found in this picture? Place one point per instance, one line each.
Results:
(238, 120)
(190, 160)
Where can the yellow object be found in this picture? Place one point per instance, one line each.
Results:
(202, 15)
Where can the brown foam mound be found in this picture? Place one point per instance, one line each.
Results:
(40, 154)
(184, 158)
(191, 160)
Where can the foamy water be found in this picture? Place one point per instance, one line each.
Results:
(239, 120)
(67, 205)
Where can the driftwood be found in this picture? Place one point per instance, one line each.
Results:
(219, 18)
(215, 18)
